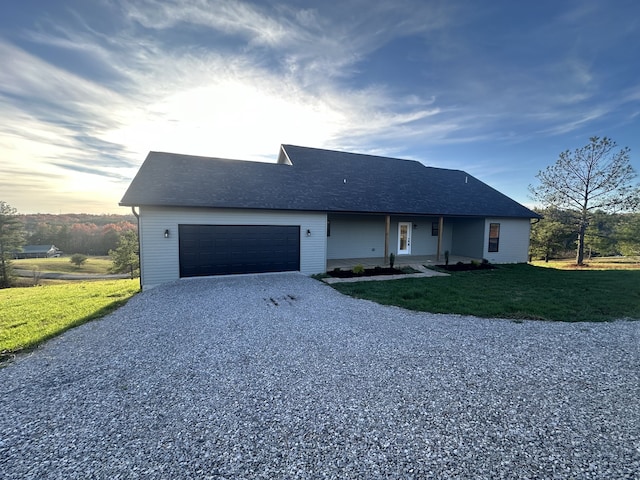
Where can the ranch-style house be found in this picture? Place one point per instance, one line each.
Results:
(201, 216)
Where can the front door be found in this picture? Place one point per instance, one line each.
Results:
(404, 238)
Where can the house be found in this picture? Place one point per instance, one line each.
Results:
(201, 216)
(37, 251)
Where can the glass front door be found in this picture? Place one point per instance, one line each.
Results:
(404, 238)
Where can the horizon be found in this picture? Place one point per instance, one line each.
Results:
(497, 90)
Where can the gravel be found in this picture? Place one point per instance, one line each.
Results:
(280, 376)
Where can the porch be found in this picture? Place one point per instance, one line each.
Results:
(400, 261)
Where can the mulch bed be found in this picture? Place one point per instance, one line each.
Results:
(368, 272)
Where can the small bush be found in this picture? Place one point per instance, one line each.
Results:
(358, 269)
(392, 259)
(78, 259)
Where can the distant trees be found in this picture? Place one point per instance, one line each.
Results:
(592, 178)
(77, 233)
(628, 230)
(11, 239)
(555, 236)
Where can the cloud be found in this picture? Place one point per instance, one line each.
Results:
(235, 79)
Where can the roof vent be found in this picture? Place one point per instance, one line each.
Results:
(466, 179)
(344, 181)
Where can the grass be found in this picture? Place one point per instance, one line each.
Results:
(514, 291)
(29, 316)
(94, 265)
(596, 263)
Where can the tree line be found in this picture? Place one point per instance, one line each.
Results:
(606, 234)
(77, 233)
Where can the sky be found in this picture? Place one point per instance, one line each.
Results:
(497, 88)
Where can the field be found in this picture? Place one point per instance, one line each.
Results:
(95, 265)
(596, 263)
(30, 316)
(514, 291)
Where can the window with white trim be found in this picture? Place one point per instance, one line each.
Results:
(494, 237)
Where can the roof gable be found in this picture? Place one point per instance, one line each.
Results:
(316, 180)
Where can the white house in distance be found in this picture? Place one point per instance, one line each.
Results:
(201, 216)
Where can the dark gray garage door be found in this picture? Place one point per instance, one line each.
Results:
(228, 249)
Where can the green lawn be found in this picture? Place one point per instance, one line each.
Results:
(97, 265)
(514, 291)
(30, 316)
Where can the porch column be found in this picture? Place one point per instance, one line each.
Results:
(440, 225)
(387, 227)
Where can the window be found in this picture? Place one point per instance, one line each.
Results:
(434, 229)
(494, 237)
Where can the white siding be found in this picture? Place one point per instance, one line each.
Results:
(160, 256)
(514, 240)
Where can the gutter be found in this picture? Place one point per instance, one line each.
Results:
(137, 215)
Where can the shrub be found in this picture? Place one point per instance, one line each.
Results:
(392, 259)
(358, 269)
(78, 259)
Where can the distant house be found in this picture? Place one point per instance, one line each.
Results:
(38, 251)
(201, 216)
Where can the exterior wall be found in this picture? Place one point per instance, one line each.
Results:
(468, 239)
(362, 236)
(160, 256)
(422, 242)
(514, 240)
(356, 236)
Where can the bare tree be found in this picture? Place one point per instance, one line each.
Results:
(593, 177)
(11, 239)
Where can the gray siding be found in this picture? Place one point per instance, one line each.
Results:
(514, 240)
(355, 236)
(468, 237)
(362, 236)
(160, 256)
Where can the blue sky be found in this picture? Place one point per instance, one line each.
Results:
(496, 88)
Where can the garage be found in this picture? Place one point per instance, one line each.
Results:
(232, 249)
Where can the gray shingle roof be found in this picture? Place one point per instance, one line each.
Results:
(317, 180)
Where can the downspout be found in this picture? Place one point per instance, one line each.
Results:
(440, 227)
(387, 228)
(137, 215)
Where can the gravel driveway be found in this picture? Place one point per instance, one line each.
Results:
(280, 376)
